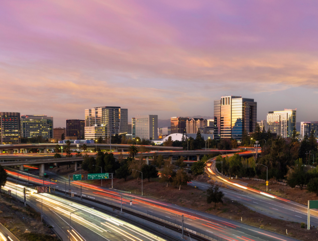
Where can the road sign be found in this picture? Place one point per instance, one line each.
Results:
(26, 170)
(97, 176)
(77, 177)
(313, 204)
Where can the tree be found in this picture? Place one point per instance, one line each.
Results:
(199, 141)
(198, 168)
(100, 140)
(180, 162)
(133, 150)
(123, 171)
(158, 161)
(84, 147)
(224, 144)
(298, 176)
(3, 177)
(168, 142)
(110, 163)
(57, 149)
(181, 178)
(312, 185)
(135, 166)
(149, 171)
(167, 173)
(68, 149)
(214, 195)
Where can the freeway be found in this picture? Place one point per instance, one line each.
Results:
(196, 221)
(77, 222)
(260, 201)
(6, 235)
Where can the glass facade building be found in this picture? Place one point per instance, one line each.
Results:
(146, 127)
(114, 118)
(75, 128)
(10, 128)
(234, 115)
(179, 124)
(282, 123)
(194, 124)
(307, 127)
(36, 125)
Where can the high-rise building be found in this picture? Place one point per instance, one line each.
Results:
(133, 127)
(59, 133)
(282, 123)
(36, 125)
(179, 124)
(194, 124)
(263, 125)
(164, 131)
(10, 128)
(113, 118)
(147, 127)
(210, 122)
(234, 115)
(305, 129)
(75, 128)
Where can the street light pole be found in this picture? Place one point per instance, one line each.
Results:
(266, 175)
(142, 180)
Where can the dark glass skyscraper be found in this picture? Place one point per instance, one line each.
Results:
(233, 115)
(10, 129)
(179, 124)
(75, 128)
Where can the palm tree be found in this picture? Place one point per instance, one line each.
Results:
(133, 151)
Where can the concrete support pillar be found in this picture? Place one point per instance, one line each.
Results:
(188, 158)
(45, 150)
(10, 151)
(42, 170)
(122, 150)
(198, 157)
(55, 164)
(21, 168)
(147, 160)
(170, 159)
(26, 151)
(75, 166)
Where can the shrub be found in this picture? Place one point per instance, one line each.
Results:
(302, 225)
(57, 155)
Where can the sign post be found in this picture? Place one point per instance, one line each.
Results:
(97, 176)
(77, 177)
(311, 204)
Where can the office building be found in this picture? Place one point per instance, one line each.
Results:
(10, 127)
(95, 132)
(263, 125)
(146, 127)
(282, 123)
(36, 125)
(179, 124)
(234, 115)
(75, 129)
(133, 127)
(305, 129)
(164, 131)
(195, 124)
(59, 134)
(113, 118)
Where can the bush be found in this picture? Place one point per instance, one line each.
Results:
(78, 154)
(57, 155)
(302, 225)
(312, 185)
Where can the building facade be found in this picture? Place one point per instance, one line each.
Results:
(75, 129)
(305, 129)
(59, 133)
(195, 124)
(234, 115)
(146, 127)
(282, 123)
(114, 118)
(10, 127)
(179, 124)
(36, 125)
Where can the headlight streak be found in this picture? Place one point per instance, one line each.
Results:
(77, 235)
(122, 232)
(2, 237)
(72, 235)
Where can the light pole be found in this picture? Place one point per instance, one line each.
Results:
(101, 171)
(256, 146)
(266, 175)
(142, 186)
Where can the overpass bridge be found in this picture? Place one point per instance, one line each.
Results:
(16, 160)
(46, 147)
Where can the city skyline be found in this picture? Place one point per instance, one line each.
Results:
(166, 58)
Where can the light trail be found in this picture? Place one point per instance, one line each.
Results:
(3, 237)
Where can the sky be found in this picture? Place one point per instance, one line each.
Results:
(170, 58)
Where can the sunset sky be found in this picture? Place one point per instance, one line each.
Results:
(171, 58)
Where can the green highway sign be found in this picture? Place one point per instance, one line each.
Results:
(97, 176)
(26, 170)
(313, 204)
(77, 177)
